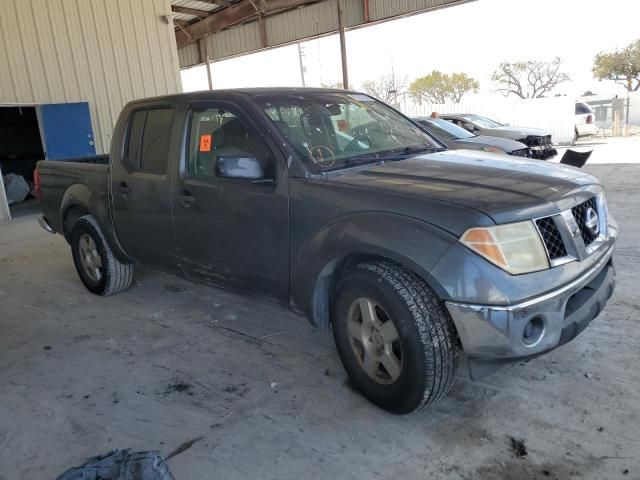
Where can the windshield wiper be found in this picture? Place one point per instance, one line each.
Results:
(353, 161)
(411, 151)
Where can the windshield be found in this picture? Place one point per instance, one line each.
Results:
(445, 130)
(483, 121)
(333, 130)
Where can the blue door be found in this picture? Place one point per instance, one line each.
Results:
(66, 130)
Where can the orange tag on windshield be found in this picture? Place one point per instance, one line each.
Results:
(343, 125)
(205, 143)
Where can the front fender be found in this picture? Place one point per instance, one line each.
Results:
(81, 200)
(410, 242)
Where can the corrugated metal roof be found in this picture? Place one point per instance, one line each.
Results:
(301, 23)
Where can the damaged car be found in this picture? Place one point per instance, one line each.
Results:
(538, 141)
(456, 137)
(341, 208)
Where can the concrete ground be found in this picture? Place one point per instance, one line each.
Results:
(248, 390)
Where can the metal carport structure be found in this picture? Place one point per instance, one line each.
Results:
(216, 30)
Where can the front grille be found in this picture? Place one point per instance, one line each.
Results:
(540, 147)
(551, 237)
(579, 214)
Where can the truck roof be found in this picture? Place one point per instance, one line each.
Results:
(203, 94)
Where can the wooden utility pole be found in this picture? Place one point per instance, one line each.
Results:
(343, 46)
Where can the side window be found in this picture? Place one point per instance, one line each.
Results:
(216, 132)
(149, 139)
(135, 139)
(156, 140)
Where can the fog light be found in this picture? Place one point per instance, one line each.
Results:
(533, 331)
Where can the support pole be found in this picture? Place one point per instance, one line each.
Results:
(343, 45)
(204, 57)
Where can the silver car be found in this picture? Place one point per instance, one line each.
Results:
(536, 139)
(457, 138)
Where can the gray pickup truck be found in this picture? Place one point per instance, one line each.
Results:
(341, 208)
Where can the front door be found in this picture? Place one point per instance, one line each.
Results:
(231, 231)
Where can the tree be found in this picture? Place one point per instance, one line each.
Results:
(338, 85)
(438, 87)
(621, 66)
(529, 79)
(387, 88)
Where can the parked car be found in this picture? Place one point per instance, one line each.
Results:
(537, 140)
(585, 124)
(408, 252)
(456, 137)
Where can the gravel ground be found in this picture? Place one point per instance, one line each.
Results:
(258, 393)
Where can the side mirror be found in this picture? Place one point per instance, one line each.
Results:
(241, 166)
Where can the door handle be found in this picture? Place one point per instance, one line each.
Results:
(186, 199)
(122, 188)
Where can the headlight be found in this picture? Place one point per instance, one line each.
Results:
(493, 150)
(514, 247)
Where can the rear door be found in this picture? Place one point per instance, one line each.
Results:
(231, 231)
(141, 186)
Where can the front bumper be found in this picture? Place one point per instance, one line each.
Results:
(495, 335)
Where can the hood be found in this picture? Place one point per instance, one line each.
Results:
(514, 133)
(507, 189)
(480, 141)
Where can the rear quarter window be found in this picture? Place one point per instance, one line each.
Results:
(156, 140)
(149, 139)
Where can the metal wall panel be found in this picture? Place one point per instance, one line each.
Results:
(189, 55)
(105, 53)
(234, 41)
(303, 23)
(383, 9)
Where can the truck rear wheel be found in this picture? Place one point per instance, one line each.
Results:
(100, 271)
(394, 337)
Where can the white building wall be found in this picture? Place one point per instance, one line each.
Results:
(103, 52)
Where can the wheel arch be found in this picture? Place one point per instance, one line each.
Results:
(333, 252)
(79, 200)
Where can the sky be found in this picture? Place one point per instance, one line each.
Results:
(472, 38)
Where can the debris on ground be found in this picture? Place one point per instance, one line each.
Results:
(180, 387)
(16, 187)
(274, 384)
(183, 447)
(601, 429)
(518, 447)
(121, 465)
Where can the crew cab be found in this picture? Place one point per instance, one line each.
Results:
(339, 207)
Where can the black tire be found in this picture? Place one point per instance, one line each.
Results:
(429, 345)
(114, 276)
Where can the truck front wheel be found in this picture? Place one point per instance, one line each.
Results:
(100, 271)
(394, 337)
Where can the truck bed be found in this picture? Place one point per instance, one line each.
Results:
(86, 176)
